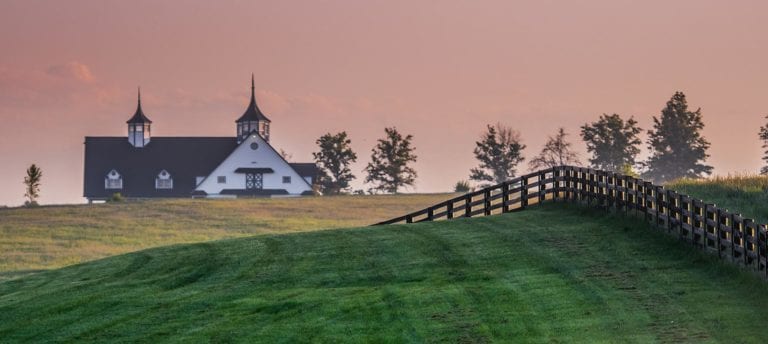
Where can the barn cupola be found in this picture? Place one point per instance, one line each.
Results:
(252, 120)
(139, 127)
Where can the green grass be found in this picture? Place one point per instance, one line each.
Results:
(55, 236)
(556, 273)
(743, 194)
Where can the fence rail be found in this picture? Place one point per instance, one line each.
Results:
(730, 236)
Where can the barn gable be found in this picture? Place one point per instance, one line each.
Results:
(255, 168)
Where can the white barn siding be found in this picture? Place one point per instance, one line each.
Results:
(245, 157)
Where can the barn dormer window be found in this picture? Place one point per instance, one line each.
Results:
(163, 180)
(113, 180)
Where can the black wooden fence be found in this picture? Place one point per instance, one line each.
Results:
(703, 225)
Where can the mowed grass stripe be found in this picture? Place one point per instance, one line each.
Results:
(552, 273)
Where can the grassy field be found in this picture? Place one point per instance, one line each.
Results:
(56, 236)
(744, 194)
(556, 273)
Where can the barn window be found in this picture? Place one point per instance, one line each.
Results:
(113, 180)
(163, 180)
(221, 179)
(286, 179)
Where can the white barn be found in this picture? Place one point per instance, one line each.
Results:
(142, 166)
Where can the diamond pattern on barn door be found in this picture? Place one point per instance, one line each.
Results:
(254, 181)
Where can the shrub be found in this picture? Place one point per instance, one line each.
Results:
(116, 197)
(462, 186)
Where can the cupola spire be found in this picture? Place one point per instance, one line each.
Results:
(253, 119)
(138, 116)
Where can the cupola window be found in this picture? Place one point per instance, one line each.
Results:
(163, 180)
(139, 127)
(113, 180)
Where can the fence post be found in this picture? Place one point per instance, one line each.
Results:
(408, 218)
(637, 188)
(645, 200)
(617, 195)
(718, 216)
(542, 186)
(468, 206)
(523, 192)
(648, 200)
(657, 205)
(744, 242)
(591, 186)
(610, 184)
(449, 210)
(700, 214)
(567, 183)
(555, 183)
(732, 221)
(599, 190)
(670, 204)
(596, 188)
(680, 208)
(430, 214)
(487, 201)
(580, 185)
(504, 197)
(627, 194)
(762, 238)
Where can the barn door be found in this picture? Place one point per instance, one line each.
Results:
(254, 181)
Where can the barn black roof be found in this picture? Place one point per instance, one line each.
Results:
(138, 116)
(253, 113)
(185, 158)
(305, 169)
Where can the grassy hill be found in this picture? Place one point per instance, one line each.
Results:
(56, 236)
(556, 273)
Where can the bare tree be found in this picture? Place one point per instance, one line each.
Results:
(556, 152)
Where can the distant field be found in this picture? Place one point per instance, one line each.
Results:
(56, 236)
(557, 273)
(745, 194)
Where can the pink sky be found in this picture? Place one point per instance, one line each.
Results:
(440, 70)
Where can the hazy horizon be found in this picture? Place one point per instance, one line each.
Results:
(440, 71)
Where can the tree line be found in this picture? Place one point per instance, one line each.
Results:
(676, 148)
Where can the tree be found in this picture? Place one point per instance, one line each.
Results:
(612, 142)
(333, 159)
(32, 181)
(389, 168)
(499, 152)
(764, 136)
(677, 148)
(556, 152)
